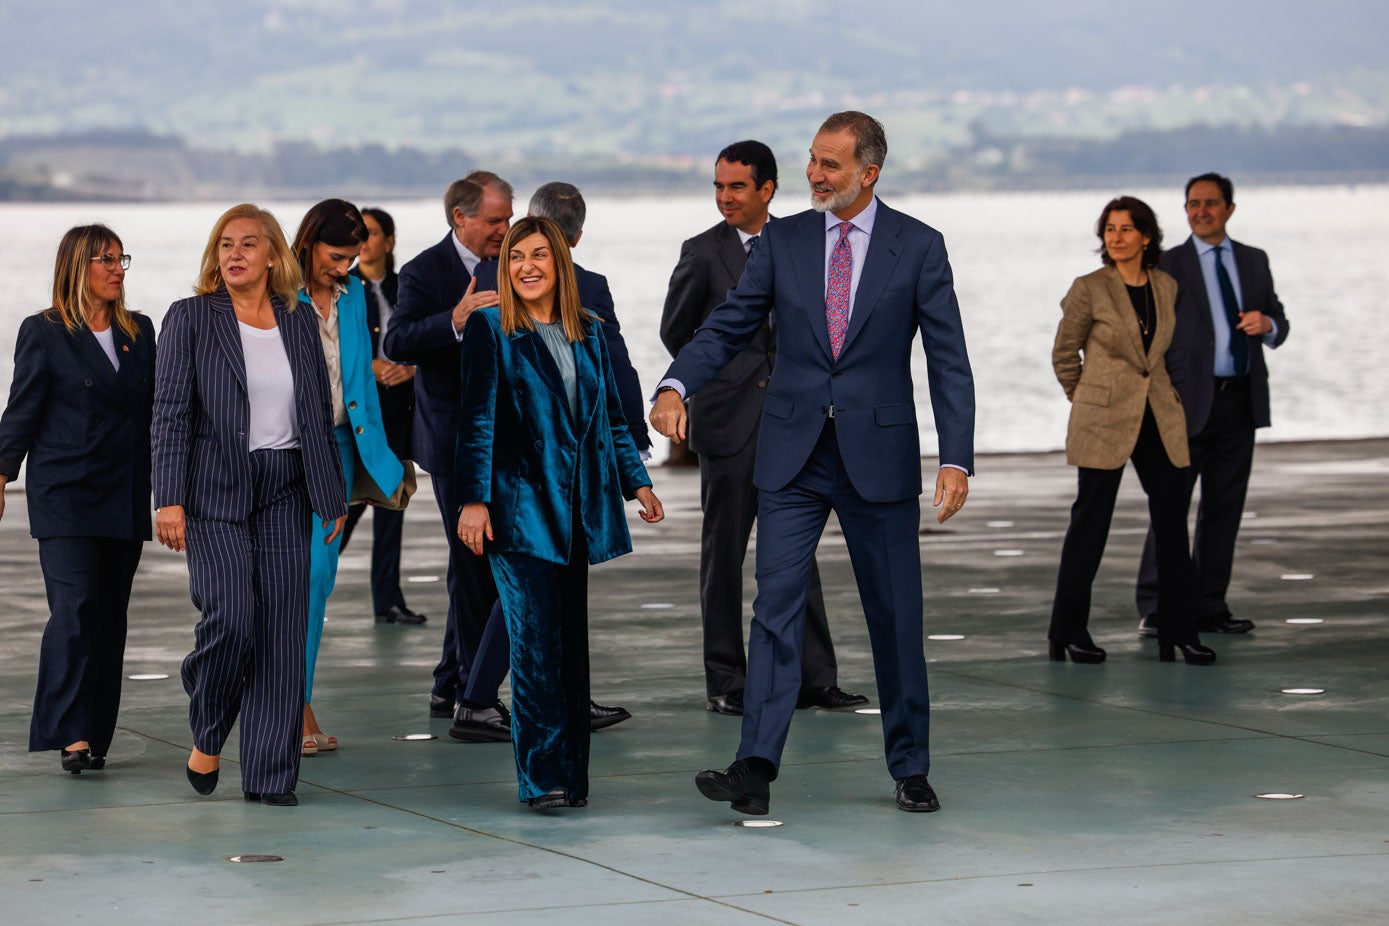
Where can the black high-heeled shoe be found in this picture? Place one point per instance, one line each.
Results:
(77, 761)
(272, 798)
(203, 782)
(1078, 652)
(1193, 653)
(98, 763)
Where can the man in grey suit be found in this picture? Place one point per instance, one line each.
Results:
(1227, 312)
(723, 432)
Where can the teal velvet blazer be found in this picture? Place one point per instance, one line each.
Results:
(520, 452)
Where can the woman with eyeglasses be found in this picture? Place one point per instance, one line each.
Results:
(79, 410)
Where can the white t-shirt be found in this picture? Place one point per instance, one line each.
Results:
(107, 340)
(270, 389)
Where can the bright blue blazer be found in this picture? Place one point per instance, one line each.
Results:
(522, 453)
(359, 387)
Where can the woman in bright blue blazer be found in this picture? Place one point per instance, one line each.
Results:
(329, 239)
(544, 462)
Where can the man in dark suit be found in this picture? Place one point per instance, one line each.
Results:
(723, 432)
(437, 294)
(851, 284)
(1217, 364)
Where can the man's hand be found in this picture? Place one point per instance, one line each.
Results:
(471, 302)
(391, 374)
(1255, 323)
(668, 414)
(952, 488)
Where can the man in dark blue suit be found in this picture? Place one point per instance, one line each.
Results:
(437, 294)
(851, 284)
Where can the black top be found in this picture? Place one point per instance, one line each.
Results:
(1146, 308)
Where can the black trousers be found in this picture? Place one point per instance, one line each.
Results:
(88, 583)
(472, 593)
(1083, 548)
(729, 501)
(1222, 457)
(387, 527)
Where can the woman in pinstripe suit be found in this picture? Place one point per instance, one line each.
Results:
(243, 453)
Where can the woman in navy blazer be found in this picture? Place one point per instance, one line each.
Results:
(79, 409)
(544, 461)
(244, 452)
(327, 242)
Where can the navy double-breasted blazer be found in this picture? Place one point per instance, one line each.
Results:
(521, 452)
(202, 414)
(84, 427)
(905, 289)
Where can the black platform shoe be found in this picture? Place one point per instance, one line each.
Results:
(1194, 653)
(1078, 652)
(77, 761)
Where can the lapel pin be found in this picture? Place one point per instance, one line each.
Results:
(125, 348)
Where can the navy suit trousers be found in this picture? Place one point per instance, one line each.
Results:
(250, 581)
(88, 582)
(884, 548)
(387, 529)
(472, 594)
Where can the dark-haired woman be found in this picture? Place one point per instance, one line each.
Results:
(79, 409)
(396, 394)
(329, 239)
(544, 463)
(244, 453)
(1109, 357)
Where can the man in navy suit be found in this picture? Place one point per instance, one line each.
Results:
(437, 294)
(1217, 364)
(851, 284)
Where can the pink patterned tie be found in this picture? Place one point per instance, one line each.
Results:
(837, 289)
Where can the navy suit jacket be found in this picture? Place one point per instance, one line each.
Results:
(522, 452)
(84, 427)
(421, 332)
(397, 402)
(201, 413)
(595, 296)
(905, 287)
(1191, 358)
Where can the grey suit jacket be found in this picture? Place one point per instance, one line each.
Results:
(201, 413)
(725, 413)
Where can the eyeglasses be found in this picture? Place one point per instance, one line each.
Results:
(109, 261)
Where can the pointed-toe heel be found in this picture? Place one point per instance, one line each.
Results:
(1058, 652)
(77, 761)
(1194, 654)
(203, 782)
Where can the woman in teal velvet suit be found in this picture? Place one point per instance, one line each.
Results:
(328, 241)
(544, 462)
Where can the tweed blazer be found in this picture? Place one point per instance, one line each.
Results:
(523, 453)
(1099, 360)
(202, 414)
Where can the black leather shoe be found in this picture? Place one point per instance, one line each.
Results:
(1078, 652)
(728, 703)
(399, 614)
(829, 698)
(481, 724)
(600, 717)
(77, 761)
(1147, 627)
(272, 798)
(746, 789)
(1193, 654)
(441, 707)
(203, 782)
(915, 795)
(1224, 624)
(556, 798)
(98, 763)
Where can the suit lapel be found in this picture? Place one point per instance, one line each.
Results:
(126, 349)
(884, 248)
(1165, 316)
(731, 253)
(533, 350)
(226, 335)
(808, 264)
(1246, 272)
(587, 374)
(1123, 305)
(86, 346)
(1194, 283)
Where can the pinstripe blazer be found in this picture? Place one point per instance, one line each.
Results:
(201, 413)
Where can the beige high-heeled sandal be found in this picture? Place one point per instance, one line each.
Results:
(324, 742)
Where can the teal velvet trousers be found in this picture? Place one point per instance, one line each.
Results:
(546, 610)
(323, 562)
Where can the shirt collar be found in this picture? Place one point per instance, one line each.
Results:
(1203, 248)
(863, 221)
(470, 260)
(339, 287)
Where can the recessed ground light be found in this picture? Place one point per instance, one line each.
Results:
(422, 579)
(243, 859)
(1304, 691)
(1279, 796)
(946, 636)
(149, 676)
(983, 591)
(415, 737)
(1249, 515)
(756, 824)
(1296, 576)
(1008, 552)
(998, 523)
(868, 710)
(1305, 620)
(1264, 541)
(657, 606)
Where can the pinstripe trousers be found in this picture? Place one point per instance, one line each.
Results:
(249, 580)
(323, 561)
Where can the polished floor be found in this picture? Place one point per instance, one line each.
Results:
(1122, 793)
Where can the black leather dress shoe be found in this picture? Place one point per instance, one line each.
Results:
(441, 707)
(1224, 624)
(600, 717)
(915, 795)
(746, 789)
(399, 614)
(1147, 626)
(556, 798)
(76, 762)
(728, 703)
(272, 798)
(829, 698)
(481, 724)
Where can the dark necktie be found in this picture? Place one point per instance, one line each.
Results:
(841, 277)
(1239, 341)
